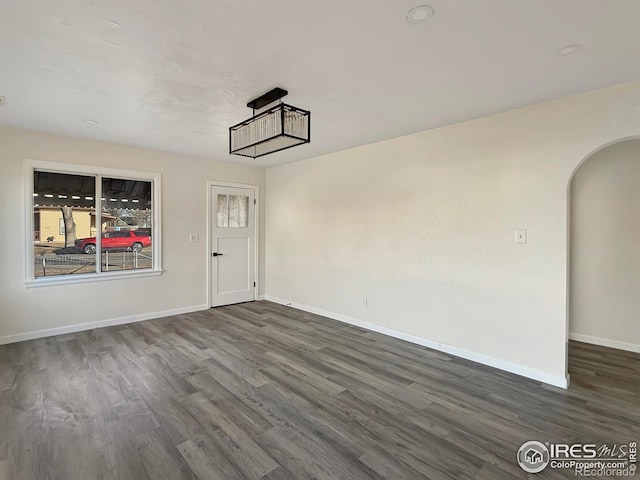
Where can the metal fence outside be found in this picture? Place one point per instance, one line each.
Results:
(50, 265)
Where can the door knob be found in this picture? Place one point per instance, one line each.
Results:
(216, 254)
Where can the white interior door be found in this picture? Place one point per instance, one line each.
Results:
(232, 245)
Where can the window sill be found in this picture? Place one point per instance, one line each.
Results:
(90, 278)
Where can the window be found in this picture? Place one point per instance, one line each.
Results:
(90, 223)
(233, 211)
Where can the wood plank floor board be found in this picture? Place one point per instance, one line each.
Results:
(416, 439)
(5, 411)
(207, 462)
(330, 421)
(311, 360)
(314, 456)
(250, 458)
(389, 466)
(242, 367)
(312, 376)
(244, 417)
(269, 335)
(161, 458)
(371, 385)
(252, 354)
(210, 387)
(279, 473)
(371, 366)
(310, 387)
(165, 378)
(265, 392)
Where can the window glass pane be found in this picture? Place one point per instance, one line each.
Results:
(126, 241)
(223, 211)
(233, 211)
(243, 216)
(63, 213)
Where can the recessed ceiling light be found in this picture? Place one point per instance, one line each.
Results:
(569, 49)
(419, 14)
(90, 121)
(198, 133)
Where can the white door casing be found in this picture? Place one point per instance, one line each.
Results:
(232, 245)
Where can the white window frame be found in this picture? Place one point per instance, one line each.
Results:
(30, 166)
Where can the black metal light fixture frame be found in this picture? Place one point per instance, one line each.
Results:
(273, 130)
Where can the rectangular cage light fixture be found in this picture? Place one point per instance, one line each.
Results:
(277, 128)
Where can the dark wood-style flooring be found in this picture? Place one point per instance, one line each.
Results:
(262, 391)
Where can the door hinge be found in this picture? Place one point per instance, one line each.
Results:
(254, 284)
(254, 201)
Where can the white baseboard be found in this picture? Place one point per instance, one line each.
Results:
(562, 382)
(605, 342)
(21, 337)
(261, 297)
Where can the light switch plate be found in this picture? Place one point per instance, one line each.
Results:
(520, 235)
(194, 237)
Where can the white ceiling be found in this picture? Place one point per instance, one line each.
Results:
(153, 72)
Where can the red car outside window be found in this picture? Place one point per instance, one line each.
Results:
(118, 240)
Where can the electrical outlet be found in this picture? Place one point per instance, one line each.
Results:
(364, 302)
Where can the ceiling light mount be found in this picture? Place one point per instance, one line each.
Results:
(277, 128)
(269, 97)
(420, 14)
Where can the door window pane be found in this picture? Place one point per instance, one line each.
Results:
(243, 215)
(223, 211)
(233, 211)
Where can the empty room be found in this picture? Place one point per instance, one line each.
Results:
(319, 240)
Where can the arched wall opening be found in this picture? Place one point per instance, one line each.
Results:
(603, 304)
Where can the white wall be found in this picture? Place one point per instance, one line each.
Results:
(182, 286)
(423, 226)
(605, 248)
